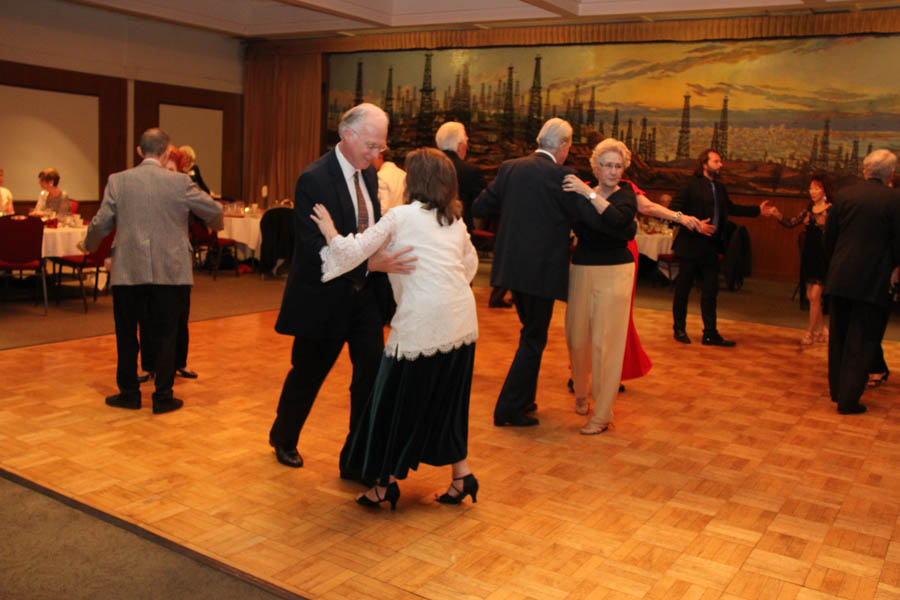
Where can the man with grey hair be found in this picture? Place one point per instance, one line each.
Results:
(862, 244)
(351, 309)
(151, 270)
(531, 254)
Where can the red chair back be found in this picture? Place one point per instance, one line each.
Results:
(21, 238)
(200, 234)
(99, 256)
(74, 206)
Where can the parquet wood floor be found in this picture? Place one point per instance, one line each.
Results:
(727, 474)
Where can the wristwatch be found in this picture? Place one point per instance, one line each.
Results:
(677, 218)
(592, 196)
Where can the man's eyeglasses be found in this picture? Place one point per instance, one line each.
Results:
(371, 145)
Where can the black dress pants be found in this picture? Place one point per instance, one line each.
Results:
(182, 337)
(159, 307)
(520, 388)
(707, 269)
(856, 332)
(311, 361)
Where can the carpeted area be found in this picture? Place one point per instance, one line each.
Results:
(52, 550)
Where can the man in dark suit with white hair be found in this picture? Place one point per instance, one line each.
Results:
(862, 243)
(148, 206)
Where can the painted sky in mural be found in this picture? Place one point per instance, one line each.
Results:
(780, 94)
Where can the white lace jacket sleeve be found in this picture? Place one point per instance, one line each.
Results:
(343, 253)
(470, 256)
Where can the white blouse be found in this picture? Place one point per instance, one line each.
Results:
(435, 305)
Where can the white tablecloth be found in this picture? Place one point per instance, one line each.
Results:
(244, 230)
(62, 241)
(652, 245)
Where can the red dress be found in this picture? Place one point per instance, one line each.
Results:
(636, 363)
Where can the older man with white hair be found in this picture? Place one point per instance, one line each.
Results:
(351, 309)
(531, 254)
(862, 243)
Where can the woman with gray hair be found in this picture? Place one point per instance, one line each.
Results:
(600, 285)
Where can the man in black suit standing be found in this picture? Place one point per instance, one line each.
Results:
(451, 138)
(862, 243)
(531, 254)
(706, 198)
(351, 309)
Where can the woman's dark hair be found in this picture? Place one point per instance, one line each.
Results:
(49, 175)
(431, 179)
(825, 181)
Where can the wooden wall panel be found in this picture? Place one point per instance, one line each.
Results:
(148, 96)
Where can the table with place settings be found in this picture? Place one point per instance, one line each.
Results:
(62, 241)
(244, 230)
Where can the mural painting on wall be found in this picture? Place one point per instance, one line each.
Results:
(776, 110)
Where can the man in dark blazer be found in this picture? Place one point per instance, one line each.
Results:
(531, 254)
(451, 138)
(706, 198)
(148, 206)
(351, 309)
(862, 243)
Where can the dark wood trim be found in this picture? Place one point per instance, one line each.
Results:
(147, 98)
(112, 93)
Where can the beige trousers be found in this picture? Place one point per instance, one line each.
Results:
(596, 326)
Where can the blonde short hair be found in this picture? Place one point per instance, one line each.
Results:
(189, 153)
(610, 145)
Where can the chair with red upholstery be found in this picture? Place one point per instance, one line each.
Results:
(73, 205)
(79, 262)
(204, 239)
(21, 248)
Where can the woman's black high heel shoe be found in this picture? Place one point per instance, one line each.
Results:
(469, 488)
(391, 494)
(873, 383)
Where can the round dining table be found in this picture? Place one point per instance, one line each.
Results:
(62, 241)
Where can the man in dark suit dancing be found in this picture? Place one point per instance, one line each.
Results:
(451, 138)
(352, 308)
(531, 254)
(706, 198)
(862, 242)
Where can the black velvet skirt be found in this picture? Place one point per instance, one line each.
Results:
(418, 413)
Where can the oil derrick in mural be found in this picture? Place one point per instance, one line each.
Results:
(547, 109)
(577, 115)
(722, 147)
(358, 98)
(814, 153)
(684, 134)
(615, 126)
(508, 119)
(389, 95)
(629, 135)
(643, 143)
(652, 150)
(461, 102)
(838, 158)
(533, 124)
(592, 107)
(824, 152)
(853, 162)
(714, 143)
(425, 125)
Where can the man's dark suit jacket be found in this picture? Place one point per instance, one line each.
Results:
(531, 254)
(696, 199)
(471, 182)
(309, 308)
(862, 242)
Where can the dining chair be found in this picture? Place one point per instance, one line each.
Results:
(204, 239)
(21, 248)
(78, 263)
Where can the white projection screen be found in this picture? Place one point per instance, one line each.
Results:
(49, 129)
(201, 129)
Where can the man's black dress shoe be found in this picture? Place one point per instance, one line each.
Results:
(853, 410)
(499, 304)
(531, 408)
(516, 421)
(165, 405)
(717, 340)
(132, 401)
(182, 372)
(682, 336)
(289, 456)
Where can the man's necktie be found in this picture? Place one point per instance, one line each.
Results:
(362, 221)
(715, 217)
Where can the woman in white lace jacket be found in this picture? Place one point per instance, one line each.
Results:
(419, 408)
